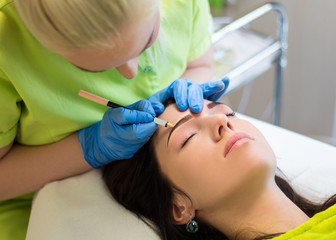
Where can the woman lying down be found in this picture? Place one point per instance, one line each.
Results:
(212, 176)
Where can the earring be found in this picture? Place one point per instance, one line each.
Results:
(192, 226)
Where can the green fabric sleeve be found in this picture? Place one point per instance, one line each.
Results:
(202, 30)
(10, 110)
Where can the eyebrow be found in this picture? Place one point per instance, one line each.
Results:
(213, 104)
(179, 123)
(189, 116)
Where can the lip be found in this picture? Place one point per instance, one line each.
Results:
(233, 141)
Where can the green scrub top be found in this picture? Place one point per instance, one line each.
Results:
(320, 226)
(39, 89)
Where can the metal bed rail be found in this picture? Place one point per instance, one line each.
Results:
(275, 53)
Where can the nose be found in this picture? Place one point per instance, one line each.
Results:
(129, 69)
(219, 125)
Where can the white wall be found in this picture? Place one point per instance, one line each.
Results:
(309, 94)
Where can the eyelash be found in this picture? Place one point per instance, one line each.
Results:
(232, 114)
(185, 142)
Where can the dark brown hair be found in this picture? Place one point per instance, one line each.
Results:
(139, 186)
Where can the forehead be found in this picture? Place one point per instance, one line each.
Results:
(117, 49)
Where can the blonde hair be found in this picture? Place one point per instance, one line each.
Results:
(70, 25)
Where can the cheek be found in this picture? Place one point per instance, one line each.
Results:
(202, 173)
(262, 149)
(191, 169)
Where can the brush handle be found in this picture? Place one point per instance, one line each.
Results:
(115, 105)
(108, 103)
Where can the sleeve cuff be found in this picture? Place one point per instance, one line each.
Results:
(7, 137)
(200, 49)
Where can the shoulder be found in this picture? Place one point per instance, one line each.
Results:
(183, 6)
(9, 18)
(6, 3)
(184, 14)
(12, 31)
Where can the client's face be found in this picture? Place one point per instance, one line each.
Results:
(214, 157)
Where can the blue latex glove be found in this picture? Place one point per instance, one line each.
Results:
(120, 134)
(191, 94)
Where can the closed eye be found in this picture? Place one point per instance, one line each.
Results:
(231, 114)
(186, 141)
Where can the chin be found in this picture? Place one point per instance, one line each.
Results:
(253, 161)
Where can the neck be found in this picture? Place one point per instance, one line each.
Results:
(270, 212)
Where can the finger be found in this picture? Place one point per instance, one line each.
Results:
(158, 108)
(145, 106)
(195, 98)
(181, 94)
(123, 116)
(210, 88)
(139, 133)
(215, 90)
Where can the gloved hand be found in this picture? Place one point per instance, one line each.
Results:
(191, 94)
(120, 134)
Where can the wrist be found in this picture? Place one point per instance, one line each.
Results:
(88, 138)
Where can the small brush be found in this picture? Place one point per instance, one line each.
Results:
(108, 103)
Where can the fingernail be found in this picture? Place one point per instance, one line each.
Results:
(183, 107)
(219, 84)
(196, 108)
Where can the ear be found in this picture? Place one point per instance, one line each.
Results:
(182, 209)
